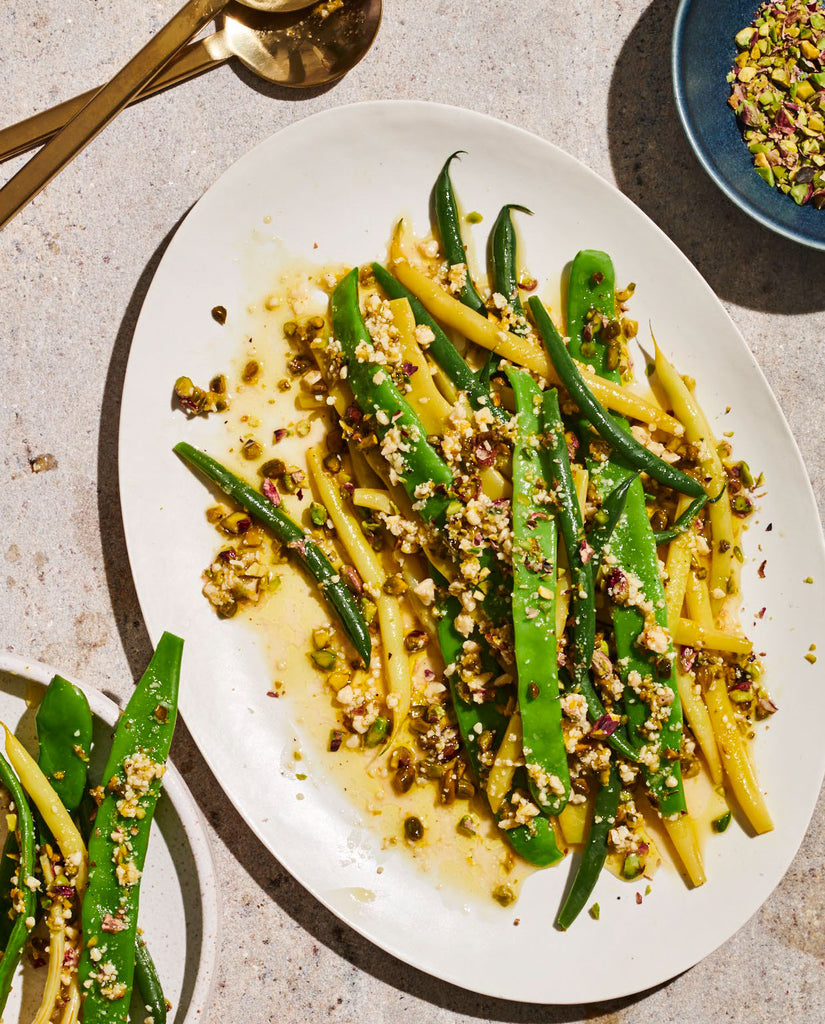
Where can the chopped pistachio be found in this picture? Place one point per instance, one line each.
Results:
(633, 866)
(504, 895)
(43, 463)
(250, 372)
(377, 732)
(395, 585)
(721, 823)
(325, 659)
(321, 638)
(468, 825)
(317, 513)
(413, 829)
(251, 449)
(236, 522)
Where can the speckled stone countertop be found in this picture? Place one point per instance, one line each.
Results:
(74, 269)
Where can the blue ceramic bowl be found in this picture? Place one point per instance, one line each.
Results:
(703, 53)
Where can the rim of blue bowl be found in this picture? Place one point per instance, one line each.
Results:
(687, 125)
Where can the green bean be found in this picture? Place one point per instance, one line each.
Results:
(556, 462)
(23, 897)
(683, 522)
(619, 440)
(534, 607)
(605, 807)
(148, 984)
(330, 583)
(120, 836)
(476, 386)
(447, 220)
(416, 463)
(8, 868)
(612, 508)
(505, 270)
(469, 713)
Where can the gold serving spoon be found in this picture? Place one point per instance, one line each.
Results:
(113, 97)
(300, 49)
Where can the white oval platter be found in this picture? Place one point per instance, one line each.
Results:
(329, 188)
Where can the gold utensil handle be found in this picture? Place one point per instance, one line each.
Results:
(193, 60)
(105, 105)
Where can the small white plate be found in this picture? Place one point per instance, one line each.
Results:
(330, 188)
(178, 892)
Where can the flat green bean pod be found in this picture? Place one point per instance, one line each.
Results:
(534, 607)
(120, 836)
(632, 551)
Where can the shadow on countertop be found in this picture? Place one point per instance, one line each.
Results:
(654, 166)
(232, 830)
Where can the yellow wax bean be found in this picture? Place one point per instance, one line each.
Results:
(682, 832)
(373, 498)
(365, 475)
(562, 600)
(510, 754)
(57, 949)
(580, 481)
(371, 570)
(53, 812)
(72, 1009)
(698, 601)
(690, 634)
(735, 757)
(573, 822)
(677, 568)
(413, 575)
(363, 557)
(433, 409)
(699, 721)
(724, 572)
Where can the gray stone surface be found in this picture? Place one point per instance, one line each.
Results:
(74, 268)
